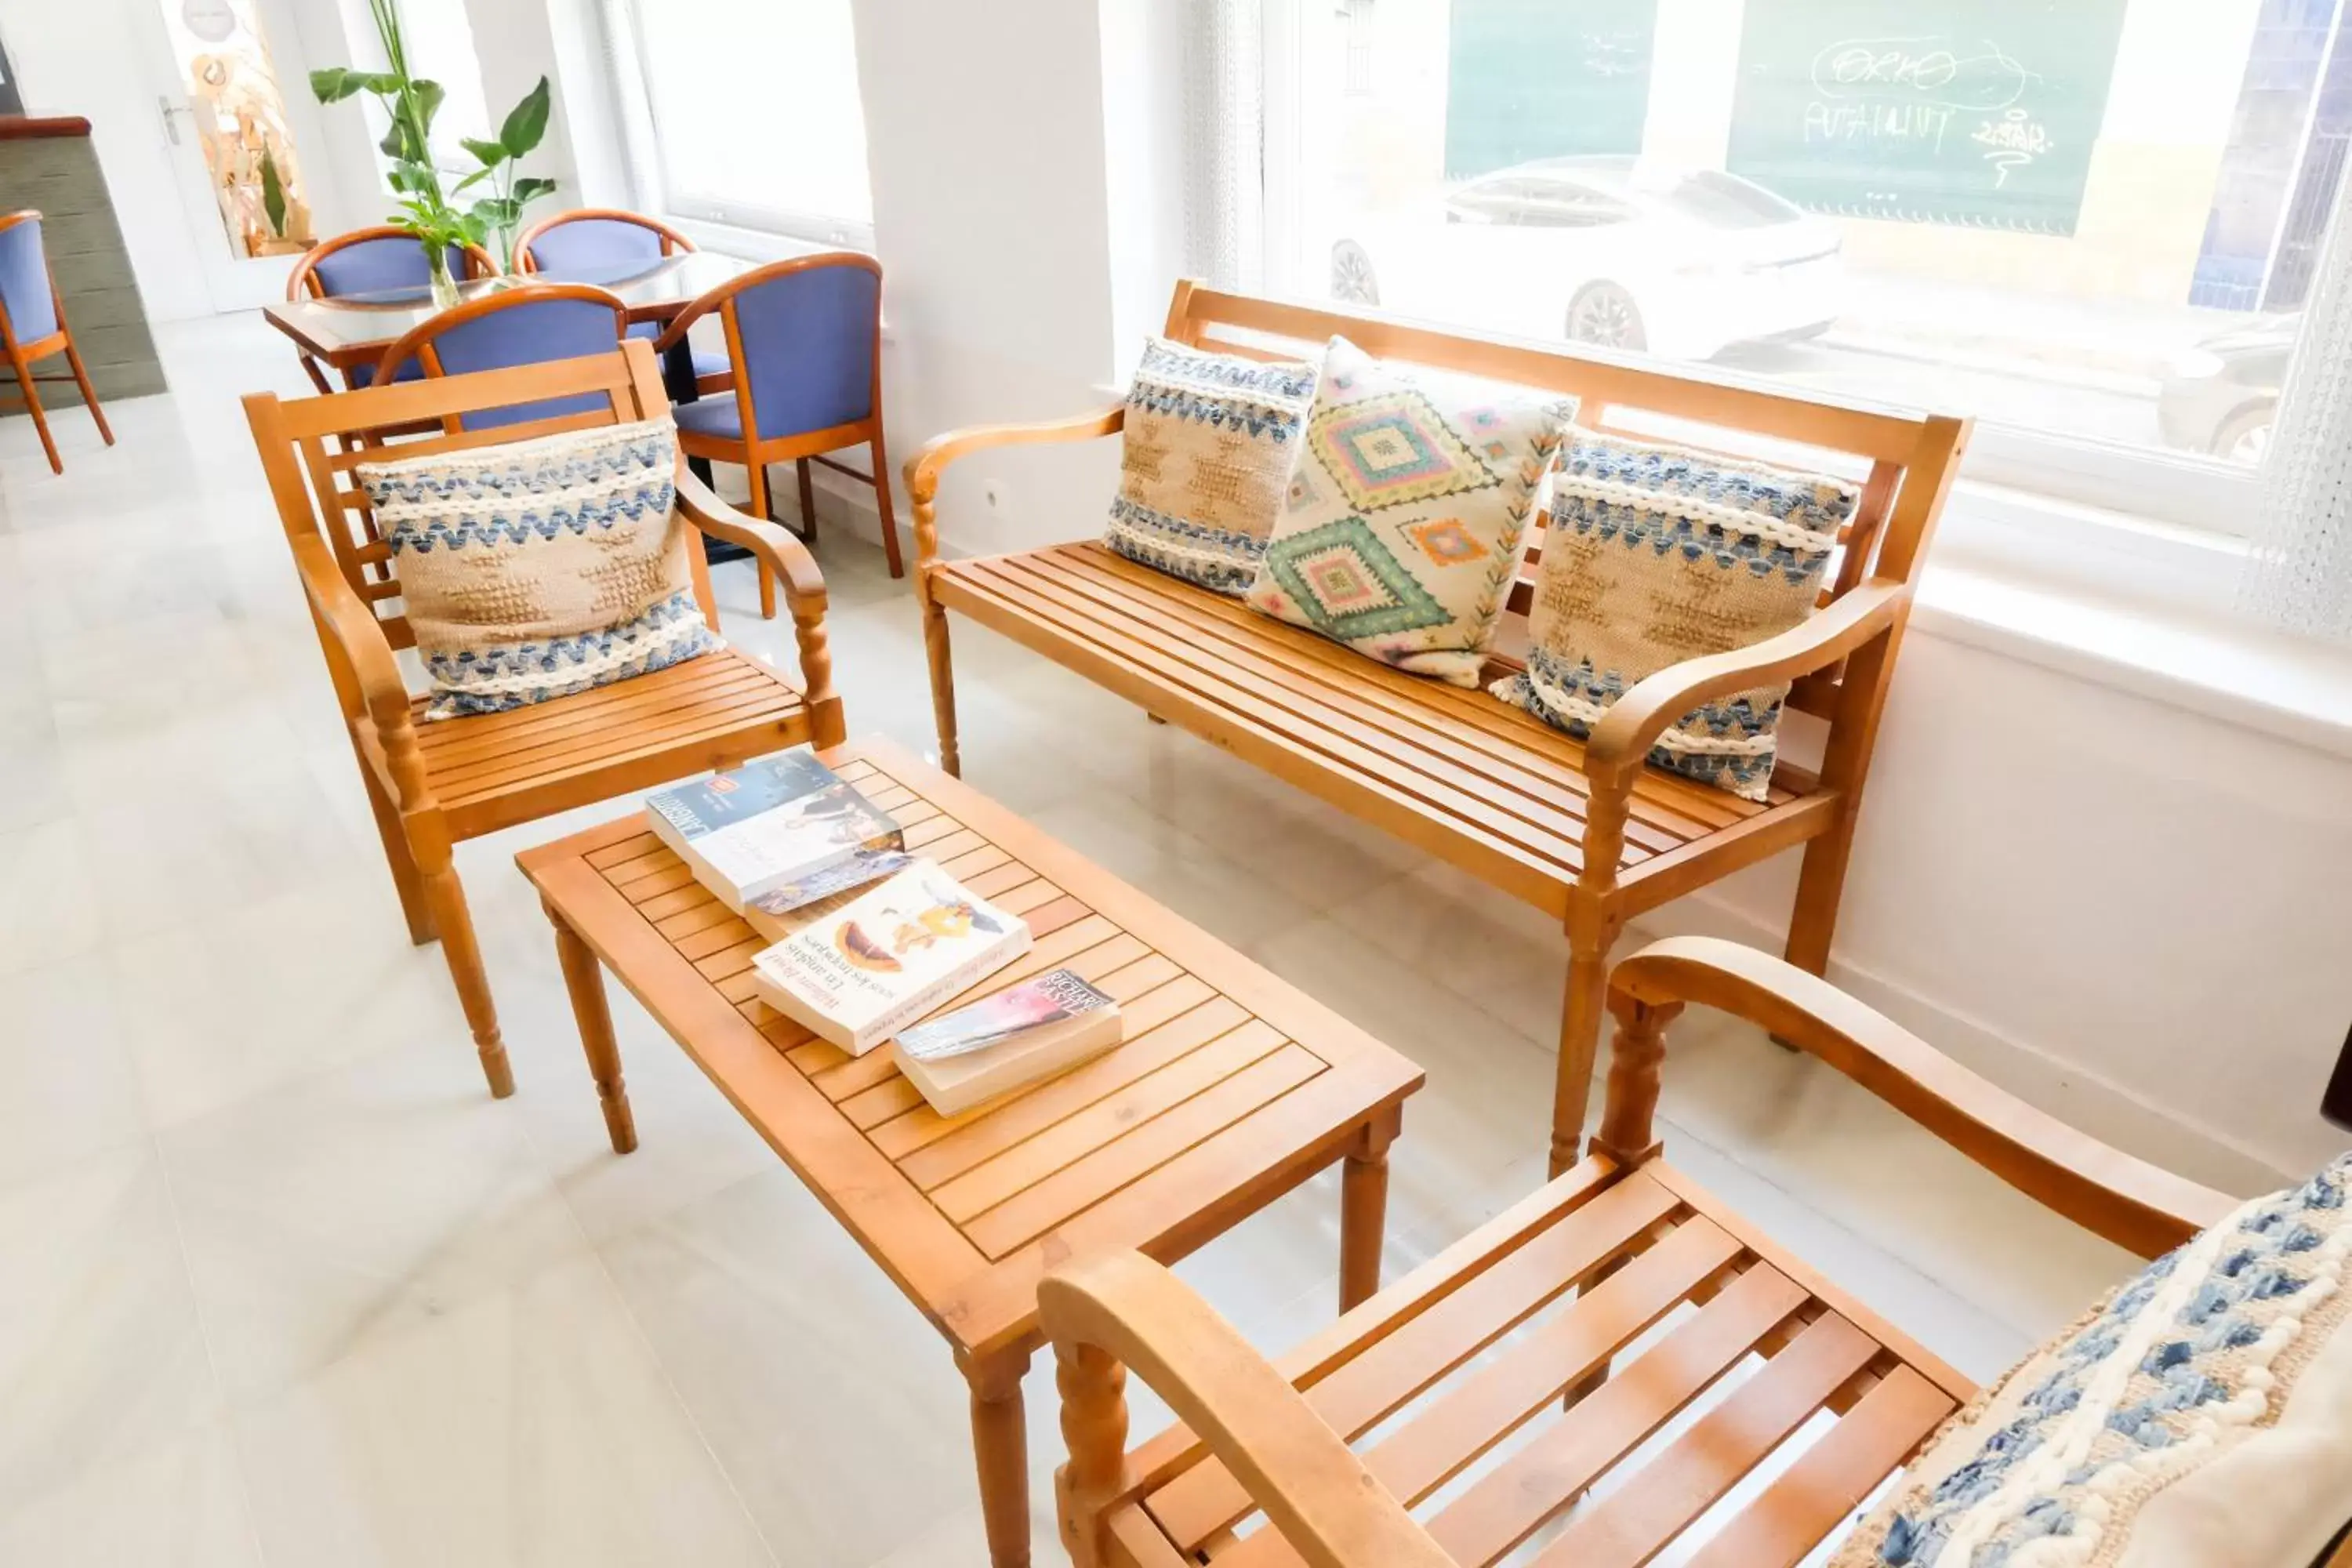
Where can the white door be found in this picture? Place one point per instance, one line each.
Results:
(233, 106)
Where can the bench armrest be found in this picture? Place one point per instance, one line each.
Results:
(1633, 724)
(1125, 1306)
(785, 556)
(924, 468)
(2124, 1199)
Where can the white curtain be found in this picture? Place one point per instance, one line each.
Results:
(2300, 577)
(1224, 119)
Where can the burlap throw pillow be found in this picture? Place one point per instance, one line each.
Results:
(1656, 554)
(1406, 513)
(2200, 1417)
(539, 568)
(1206, 451)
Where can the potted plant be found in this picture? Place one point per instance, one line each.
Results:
(426, 210)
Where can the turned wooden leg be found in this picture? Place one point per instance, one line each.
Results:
(1589, 941)
(757, 505)
(396, 855)
(584, 978)
(943, 714)
(887, 511)
(1093, 1387)
(1363, 1209)
(33, 406)
(447, 899)
(1000, 1447)
(81, 379)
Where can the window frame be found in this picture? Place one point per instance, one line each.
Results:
(702, 218)
(2013, 468)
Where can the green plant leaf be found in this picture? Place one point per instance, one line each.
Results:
(332, 84)
(471, 181)
(531, 188)
(497, 212)
(489, 154)
(428, 96)
(526, 123)
(273, 193)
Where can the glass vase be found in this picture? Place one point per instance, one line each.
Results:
(437, 268)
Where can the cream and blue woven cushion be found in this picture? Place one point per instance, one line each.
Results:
(539, 568)
(1656, 554)
(1206, 451)
(1403, 526)
(2201, 1417)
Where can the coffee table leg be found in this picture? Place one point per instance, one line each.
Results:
(585, 980)
(1363, 1208)
(999, 1443)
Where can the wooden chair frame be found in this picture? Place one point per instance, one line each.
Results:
(303, 282)
(432, 785)
(420, 341)
(22, 355)
(1262, 1436)
(755, 454)
(672, 242)
(1458, 773)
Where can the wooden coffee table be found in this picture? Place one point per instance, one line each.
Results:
(1230, 1088)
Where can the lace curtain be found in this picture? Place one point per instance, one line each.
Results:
(2299, 578)
(1224, 119)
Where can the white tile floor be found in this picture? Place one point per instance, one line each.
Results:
(280, 1284)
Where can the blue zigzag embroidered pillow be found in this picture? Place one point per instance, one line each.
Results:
(1206, 452)
(1656, 553)
(2200, 1417)
(539, 568)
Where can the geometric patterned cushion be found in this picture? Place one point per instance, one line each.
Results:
(535, 569)
(1403, 527)
(1656, 554)
(1205, 452)
(2202, 1416)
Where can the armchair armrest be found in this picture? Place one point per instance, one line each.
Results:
(360, 658)
(2124, 1199)
(1312, 1487)
(791, 563)
(1633, 725)
(924, 468)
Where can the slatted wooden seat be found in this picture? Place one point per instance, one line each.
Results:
(434, 785)
(1587, 831)
(1584, 1379)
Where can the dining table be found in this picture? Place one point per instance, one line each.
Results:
(352, 329)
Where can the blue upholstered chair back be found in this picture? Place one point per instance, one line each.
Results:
(25, 282)
(594, 242)
(808, 348)
(373, 265)
(524, 331)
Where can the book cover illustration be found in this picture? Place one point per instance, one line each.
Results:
(805, 892)
(1057, 996)
(775, 820)
(883, 941)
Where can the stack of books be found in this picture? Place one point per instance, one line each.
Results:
(866, 940)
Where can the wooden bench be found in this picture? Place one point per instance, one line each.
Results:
(432, 785)
(1522, 1356)
(1585, 831)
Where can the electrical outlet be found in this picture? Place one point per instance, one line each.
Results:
(994, 496)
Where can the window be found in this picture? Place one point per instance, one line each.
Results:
(2089, 224)
(440, 42)
(756, 117)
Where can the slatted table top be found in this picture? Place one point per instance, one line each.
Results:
(1229, 1088)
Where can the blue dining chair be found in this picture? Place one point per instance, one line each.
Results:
(805, 336)
(532, 323)
(374, 260)
(33, 325)
(580, 245)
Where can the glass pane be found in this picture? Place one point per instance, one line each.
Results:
(2090, 219)
(756, 107)
(240, 123)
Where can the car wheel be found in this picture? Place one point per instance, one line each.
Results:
(1604, 315)
(1353, 281)
(2245, 436)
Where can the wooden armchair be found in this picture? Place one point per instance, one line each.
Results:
(432, 785)
(1521, 1331)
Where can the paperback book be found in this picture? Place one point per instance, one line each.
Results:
(1023, 1033)
(885, 958)
(778, 821)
